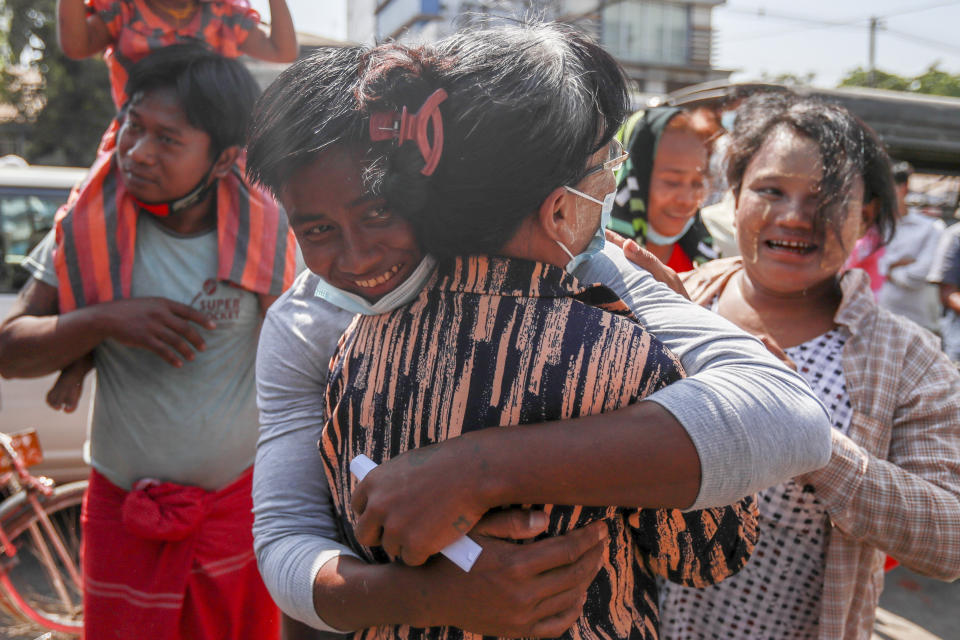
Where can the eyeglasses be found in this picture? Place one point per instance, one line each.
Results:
(617, 156)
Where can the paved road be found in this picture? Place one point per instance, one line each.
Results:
(918, 608)
(912, 608)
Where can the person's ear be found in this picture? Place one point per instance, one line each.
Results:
(556, 218)
(869, 213)
(223, 163)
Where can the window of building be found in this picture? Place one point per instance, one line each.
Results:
(396, 15)
(647, 31)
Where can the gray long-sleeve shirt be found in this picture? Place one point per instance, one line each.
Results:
(753, 422)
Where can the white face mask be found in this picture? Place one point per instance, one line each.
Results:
(659, 238)
(401, 295)
(598, 240)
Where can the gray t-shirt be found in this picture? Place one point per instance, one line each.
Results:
(945, 264)
(753, 421)
(194, 425)
(945, 268)
(905, 291)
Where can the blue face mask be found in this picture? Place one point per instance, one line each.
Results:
(657, 238)
(728, 119)
(404, 293)
(598, 240)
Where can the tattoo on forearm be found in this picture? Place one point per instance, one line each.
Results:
(461, 524)
(419, 457)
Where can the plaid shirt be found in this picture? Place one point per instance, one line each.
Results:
(894, 482)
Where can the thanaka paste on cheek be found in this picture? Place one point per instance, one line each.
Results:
(767, 212)
(765, 216)
(581, 220)
(582, 223)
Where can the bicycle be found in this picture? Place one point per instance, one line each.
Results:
(40, 580)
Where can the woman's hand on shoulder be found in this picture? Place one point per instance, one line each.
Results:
(646, 260)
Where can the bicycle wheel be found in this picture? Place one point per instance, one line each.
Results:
(42, 583)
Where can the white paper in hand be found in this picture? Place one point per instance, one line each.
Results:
(463, 553)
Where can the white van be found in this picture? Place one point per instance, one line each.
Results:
(29, 198)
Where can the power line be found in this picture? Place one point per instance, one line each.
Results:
(786, 32)
(814, 24)
(919, 9)
(761, 12)
(934, 44)
(874, 23)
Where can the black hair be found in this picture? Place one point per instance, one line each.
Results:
(310, 107)
(217, 94)
(849, 149)
(527, 106)
(902, 171)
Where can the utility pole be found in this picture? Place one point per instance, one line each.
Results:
(875, 24)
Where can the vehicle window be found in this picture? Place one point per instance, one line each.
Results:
(26, 215)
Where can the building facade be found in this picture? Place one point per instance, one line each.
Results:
(662, 45)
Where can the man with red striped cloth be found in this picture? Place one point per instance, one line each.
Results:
(158, 273)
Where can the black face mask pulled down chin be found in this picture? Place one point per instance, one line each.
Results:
(198, 193)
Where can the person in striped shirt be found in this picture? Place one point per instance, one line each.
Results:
(495, 331)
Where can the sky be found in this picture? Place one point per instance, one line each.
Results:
(912, 40)
(320, 17)
(788, 39)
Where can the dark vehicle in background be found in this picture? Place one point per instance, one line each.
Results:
(921, 129)
(29, 198)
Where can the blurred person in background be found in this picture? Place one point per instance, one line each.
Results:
(717, 211)
(718, 219)
(717, 121)
(907, 258)
(661, 187)
(809, 179)
(869, 249)
(154, 273)
(945, 275)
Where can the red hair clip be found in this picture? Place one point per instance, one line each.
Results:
(385, 125)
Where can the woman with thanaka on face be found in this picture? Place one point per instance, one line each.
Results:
(809, 180)
(496, 331)
(661, 187)
(725, 408)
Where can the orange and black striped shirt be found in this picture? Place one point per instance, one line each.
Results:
(497, 342)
